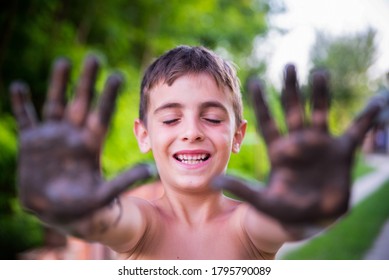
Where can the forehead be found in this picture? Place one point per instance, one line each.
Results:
(189, 89)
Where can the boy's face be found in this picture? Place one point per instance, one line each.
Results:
(191, 131)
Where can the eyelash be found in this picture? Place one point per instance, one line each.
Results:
(168, 122)
(172, 121)
(213, 121)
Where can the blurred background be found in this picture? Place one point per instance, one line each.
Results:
(347, 37)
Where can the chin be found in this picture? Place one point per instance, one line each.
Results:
(193, 184)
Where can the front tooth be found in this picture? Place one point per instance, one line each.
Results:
(191, 159)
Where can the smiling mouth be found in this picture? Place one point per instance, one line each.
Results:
(192, 159)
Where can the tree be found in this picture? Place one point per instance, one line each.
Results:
(348, 59)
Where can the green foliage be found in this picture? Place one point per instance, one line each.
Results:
(348, 59)
(126, 32)
(7, 164)
(121, 149)
(18, 232)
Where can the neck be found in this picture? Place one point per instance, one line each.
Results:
(193, 207)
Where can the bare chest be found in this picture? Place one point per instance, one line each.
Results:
(218, 240)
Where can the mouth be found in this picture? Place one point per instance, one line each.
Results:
(191, 158)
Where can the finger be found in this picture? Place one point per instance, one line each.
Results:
(79, 108)
(22, 107)
(55, 103)
(356, 132)
(291, 100)
(320, 100)
(123, 181)
(277, 205)
(383, 117)
(274, 206)
(265, 122)
(237, 187)
(100, 119)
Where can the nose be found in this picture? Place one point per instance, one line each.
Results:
(192, 131)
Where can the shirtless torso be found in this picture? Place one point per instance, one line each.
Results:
(222, 236)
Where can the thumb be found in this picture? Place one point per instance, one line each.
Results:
(105, 194)
(109, 190)
(279, 207)
(248, 191)
(372, 114)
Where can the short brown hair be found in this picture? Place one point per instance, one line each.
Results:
(185, 60)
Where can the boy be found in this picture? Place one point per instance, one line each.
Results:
(191, 119)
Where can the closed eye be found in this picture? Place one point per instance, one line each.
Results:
(214, 121)
(172, 121)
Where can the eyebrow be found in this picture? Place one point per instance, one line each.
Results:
(213, 104)
(172, 105)
(203, 106)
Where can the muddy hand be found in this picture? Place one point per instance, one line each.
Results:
(310, 174)
(59, 174)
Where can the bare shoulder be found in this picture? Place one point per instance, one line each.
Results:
(262, 231)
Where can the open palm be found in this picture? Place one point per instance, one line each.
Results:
(310, 174)
(59, 161)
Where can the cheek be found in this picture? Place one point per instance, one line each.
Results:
(160, 139)
(223, 137)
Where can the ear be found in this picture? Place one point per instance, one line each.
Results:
(238, 137)
(142, 136)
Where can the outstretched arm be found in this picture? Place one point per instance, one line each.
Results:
(310, 176)
(59, 176)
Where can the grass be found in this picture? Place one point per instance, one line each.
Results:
(360, 168)
(351, 237)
